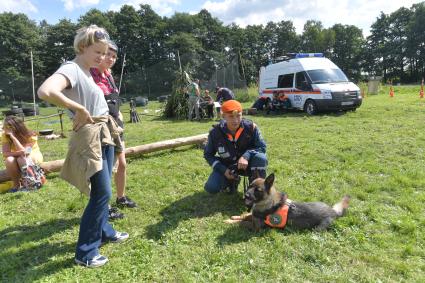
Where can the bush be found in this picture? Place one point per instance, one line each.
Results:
(246, 94)
(177, 105)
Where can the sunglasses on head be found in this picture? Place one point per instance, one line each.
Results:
(101, 35)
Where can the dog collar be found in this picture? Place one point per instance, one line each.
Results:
(271, 210)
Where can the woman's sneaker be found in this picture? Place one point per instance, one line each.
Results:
(97, 261)
(119, 237)
(125, 202)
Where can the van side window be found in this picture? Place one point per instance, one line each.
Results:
(285, 81)
(302, 82)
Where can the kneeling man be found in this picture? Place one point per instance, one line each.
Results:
(234, 144)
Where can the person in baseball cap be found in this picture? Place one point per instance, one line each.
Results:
(235, 146)
(230, 106)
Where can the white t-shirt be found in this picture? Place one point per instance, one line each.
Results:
(83, 89)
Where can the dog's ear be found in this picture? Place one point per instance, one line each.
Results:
(268, 183)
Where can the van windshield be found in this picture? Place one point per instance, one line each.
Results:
(324, 76)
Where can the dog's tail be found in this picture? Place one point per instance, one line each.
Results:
(341, 206)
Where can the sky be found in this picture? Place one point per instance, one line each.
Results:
(361, 13)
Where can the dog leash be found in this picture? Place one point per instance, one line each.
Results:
(245, 185)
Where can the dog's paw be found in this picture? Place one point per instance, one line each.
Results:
(232, 221)
(236, 217)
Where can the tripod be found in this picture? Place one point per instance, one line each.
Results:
(134, 116)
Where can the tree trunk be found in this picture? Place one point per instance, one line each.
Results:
(56, 165)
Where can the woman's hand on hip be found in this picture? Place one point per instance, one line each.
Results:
(81, 118)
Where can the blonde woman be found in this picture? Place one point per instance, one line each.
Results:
(88, 164)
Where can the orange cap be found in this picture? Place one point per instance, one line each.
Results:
(231, 106)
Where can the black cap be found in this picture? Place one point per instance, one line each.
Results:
(112, 46)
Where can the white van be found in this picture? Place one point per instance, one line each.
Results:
(311, 83)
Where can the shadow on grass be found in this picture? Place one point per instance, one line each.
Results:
(237, 234)
(26, 250)
(198, 205)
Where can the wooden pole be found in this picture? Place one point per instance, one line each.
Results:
(56, 165)
(122, 71)
(33, 88)
(243, 69)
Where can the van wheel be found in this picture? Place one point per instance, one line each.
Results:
(310, 107)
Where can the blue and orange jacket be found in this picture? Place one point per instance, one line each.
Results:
(223, 149)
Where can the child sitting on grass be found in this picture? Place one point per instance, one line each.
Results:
(18, 143)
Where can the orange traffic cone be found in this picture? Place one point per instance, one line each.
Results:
(391, 90)
(421, 93)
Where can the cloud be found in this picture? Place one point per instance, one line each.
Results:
(70, 5)
(17, 6)
(162, 7)
(361, 13)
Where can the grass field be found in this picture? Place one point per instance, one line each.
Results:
(177, 234)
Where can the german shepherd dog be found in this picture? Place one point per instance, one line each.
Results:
(265, 200)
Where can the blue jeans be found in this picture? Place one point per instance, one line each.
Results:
(94, 226)
(218, 182)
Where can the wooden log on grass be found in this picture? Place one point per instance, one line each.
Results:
(167, 144)
(56, 165)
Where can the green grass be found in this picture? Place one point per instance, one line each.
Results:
(177, 234)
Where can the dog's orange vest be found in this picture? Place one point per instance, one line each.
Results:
(278, 218)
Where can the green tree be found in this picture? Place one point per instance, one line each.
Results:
(347, 49)
(317, 39)
(18, 37)
(378, 45)
(96, 17)
(212, 33)
(281, 38)
(416, 42)
(254, 51)
(59, 41)
(129, 39)
(397, 43)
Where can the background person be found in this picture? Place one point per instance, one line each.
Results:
(103, 78)
(209, 104)
(72, 87)
(234, 142)
(224, 94)
(17, 142)
(194, 94)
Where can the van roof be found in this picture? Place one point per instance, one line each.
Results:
(303, 64)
